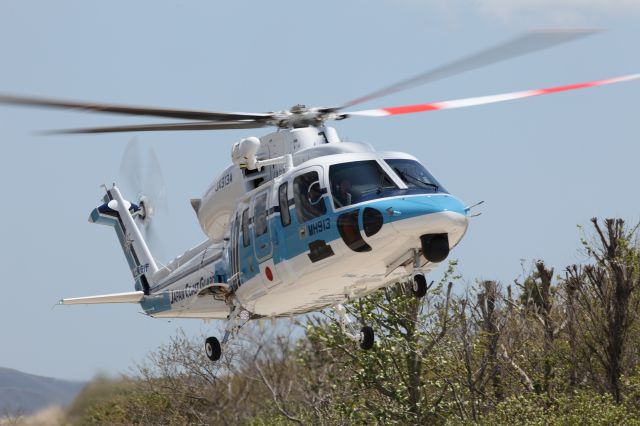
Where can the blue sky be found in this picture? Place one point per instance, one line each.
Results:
(542, 165)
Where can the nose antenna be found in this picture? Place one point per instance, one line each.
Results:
(468, 209)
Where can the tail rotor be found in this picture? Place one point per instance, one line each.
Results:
(141, 175)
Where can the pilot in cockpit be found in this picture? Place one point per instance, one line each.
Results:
(343, 195)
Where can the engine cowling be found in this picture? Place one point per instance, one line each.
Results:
(215, 208)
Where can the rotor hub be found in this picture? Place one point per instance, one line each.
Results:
(298, 109)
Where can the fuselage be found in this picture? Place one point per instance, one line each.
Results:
(344, 221)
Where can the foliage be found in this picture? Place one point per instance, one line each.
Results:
(122, 401)
(550, 350)
(583, 408)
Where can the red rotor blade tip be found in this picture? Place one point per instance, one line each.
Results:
(484, 100)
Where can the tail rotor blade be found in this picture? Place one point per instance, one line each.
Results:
(154, 183)
(154, 241)
(143, 176)
(130, 168)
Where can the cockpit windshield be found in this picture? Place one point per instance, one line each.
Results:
(414, 175)
(358, 181)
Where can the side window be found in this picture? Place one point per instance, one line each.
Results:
(307, 194)
(283, 197)
(260, 214)
(246, 238)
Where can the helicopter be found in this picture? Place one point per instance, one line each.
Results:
(301, 220)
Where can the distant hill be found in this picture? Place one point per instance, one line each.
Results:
(22, 393)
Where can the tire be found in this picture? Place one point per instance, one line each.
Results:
(419, 286)
(212, 348)
(366, 337)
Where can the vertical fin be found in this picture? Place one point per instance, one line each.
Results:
(117, 212)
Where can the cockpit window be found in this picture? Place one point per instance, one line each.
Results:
(358, 181)
(414, 175)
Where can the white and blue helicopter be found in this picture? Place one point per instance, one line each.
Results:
(300, 220)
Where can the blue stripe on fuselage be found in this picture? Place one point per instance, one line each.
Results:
(288, 243)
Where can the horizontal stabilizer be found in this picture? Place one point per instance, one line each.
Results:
(130, 297)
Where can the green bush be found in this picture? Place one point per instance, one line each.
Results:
(583, 408)
(120, 402)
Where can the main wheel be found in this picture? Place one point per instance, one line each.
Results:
(366, 337)
(419, 286)
(212, 348)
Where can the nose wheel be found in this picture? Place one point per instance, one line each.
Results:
(419, 286)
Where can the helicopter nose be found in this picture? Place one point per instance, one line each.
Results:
(436, 224)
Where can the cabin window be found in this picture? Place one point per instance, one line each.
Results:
(246, 238)
(260, 214)
(358, 181)
(307, 195)
(283, 197)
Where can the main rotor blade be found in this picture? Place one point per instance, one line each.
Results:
(131, 110)
(527, 43)
(200, 125)
(483, 100)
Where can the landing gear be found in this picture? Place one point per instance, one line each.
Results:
(365, 337)
(236, 319)
(419, 287)
(213, 348)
